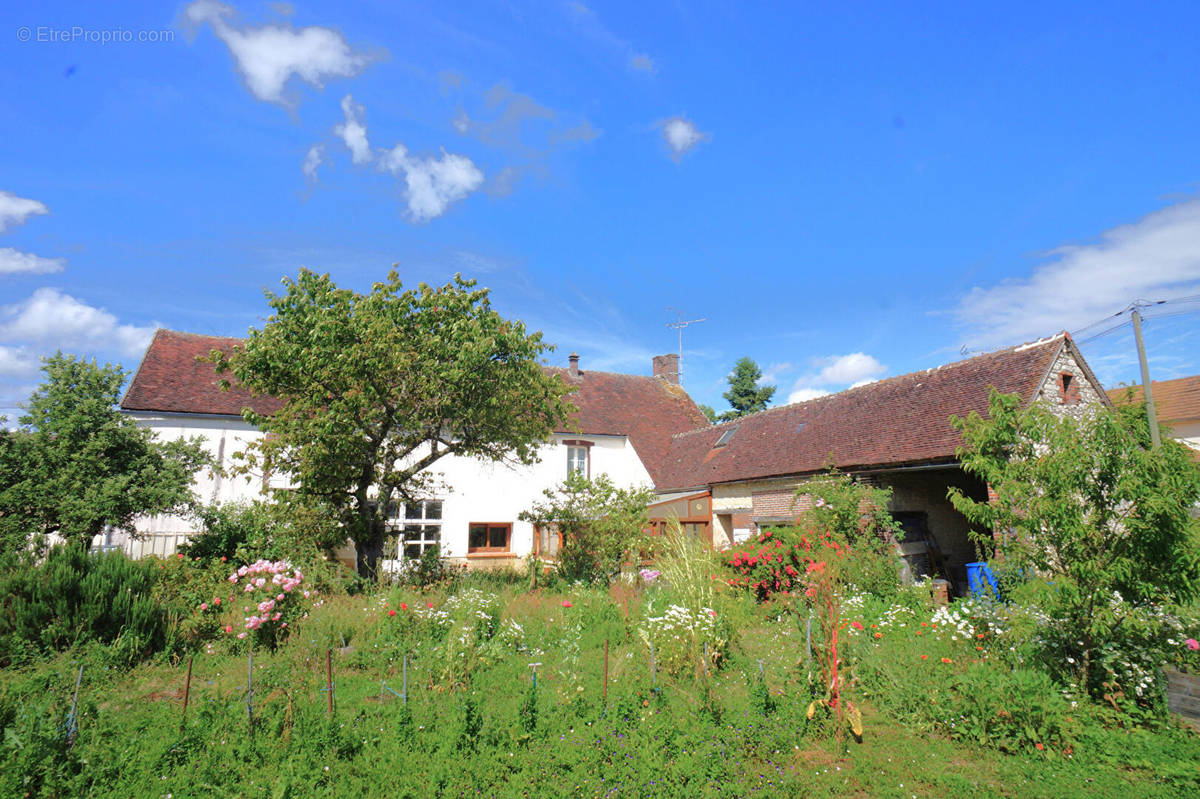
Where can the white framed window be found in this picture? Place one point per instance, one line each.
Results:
(416, 526)
(579, 458)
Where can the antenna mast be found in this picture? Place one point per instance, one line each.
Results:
(679, 324)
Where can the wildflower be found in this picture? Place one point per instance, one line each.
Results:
(945, 660)
(404, 606)
(241, 635)
(204, 606)
(391, 613)
(222, 558)
(856, 625)
(180, 556)
(567, 604)
(924, 657)
(878, 635)
(428, 604)
(1192, 644)
(1039, 747)
(228, 628)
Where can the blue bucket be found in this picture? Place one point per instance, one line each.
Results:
(981, 580)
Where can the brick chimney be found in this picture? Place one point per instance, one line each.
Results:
(667, 367)
(574, 361)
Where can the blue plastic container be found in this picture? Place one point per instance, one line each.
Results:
(981, 580)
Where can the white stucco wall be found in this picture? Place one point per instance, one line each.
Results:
(474, 490)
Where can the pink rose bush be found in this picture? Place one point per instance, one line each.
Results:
(273, 591)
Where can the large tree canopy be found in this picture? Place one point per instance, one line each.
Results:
(77, 465)
(376, 388)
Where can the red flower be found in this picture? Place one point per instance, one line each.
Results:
(567, 604)
(924, 657)
(945, 660)
(1039, 747)
(391, 613)
(856, 625)
(404, 606)
(878, 635)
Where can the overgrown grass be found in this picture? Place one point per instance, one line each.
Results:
(473, 725)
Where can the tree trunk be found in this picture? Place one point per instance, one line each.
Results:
(368, 553)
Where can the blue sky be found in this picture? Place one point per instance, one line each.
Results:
(843, 193)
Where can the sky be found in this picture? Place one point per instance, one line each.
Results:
(842, 192)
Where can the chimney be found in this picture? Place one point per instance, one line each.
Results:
(667, 367)
(574, 360)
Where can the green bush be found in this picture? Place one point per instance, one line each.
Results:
(73, 597)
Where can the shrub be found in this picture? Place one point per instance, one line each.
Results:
(73, 597)
(599, 524)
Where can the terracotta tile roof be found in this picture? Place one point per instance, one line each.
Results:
(1174, 400)
(172, 379)
(648, 410)
(896, 421)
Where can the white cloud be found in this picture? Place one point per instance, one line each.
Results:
(1157, 257)
(312, 161)
(50, 318)
(17, 362)
(14, 262)
(353, 131)
(432, 184)
(846, 369)
(682, 136)
(269, 56)
(805, 394)
(15, 210)
(835, 373)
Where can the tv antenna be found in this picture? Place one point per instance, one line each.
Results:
(679, 324)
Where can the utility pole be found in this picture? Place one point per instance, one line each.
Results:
(1147, 391)
(679, 324)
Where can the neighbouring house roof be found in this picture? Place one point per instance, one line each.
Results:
(172, 379)
(1174, 400)
(898, 421)
(649, 410)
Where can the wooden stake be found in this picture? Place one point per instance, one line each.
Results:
(329, 679)
(187, 692)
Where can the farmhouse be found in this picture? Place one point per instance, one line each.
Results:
(742, 475)
(722, 482)
(622, 429)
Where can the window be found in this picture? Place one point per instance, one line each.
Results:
(1068, 388)
(488, 537)
(724, 439)
(579, 458)
(417, 526)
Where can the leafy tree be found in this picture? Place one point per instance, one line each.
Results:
(77, 465)
(376, 388)
(1087, 504)
(599, 524)
(745, 395)
(708, 412)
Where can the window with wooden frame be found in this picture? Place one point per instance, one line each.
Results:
(579, 458)
(485, 537)
(1068, 388)
(547, 541)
